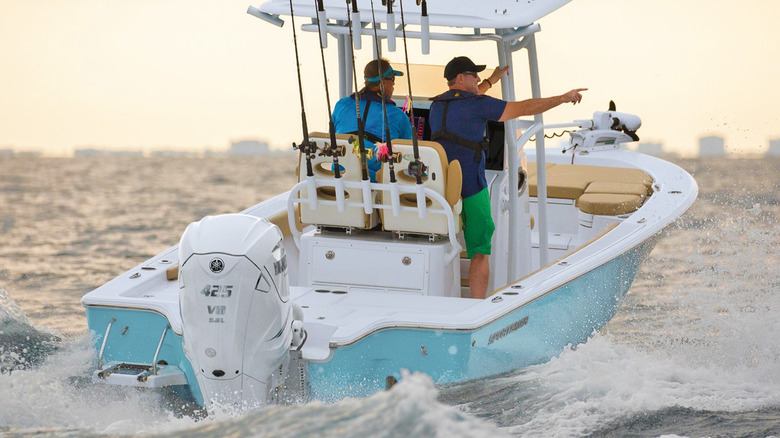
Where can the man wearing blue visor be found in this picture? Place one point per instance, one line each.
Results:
(345, 112)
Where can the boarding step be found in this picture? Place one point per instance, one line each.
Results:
(140, 375)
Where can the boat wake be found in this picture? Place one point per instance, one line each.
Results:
(701, 356)
(55, 397)
(67, 403)
(409, 409)
(603, 383)
(21, 344)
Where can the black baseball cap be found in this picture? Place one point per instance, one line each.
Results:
(460, 64)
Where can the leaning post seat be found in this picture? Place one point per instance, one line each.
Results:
(327, 213)
(442, 177)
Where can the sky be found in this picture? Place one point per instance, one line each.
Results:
(198, 74)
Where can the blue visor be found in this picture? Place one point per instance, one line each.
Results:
(388, 72)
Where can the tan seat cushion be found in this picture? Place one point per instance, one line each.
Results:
(172, 273)
(606, 174)
(454, 182)
(280, 220)
(570, 181)
(609, 204)
(531, 171)
(619, 188)
(560, 186)
(443, 177)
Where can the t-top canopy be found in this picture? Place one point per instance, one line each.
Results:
(495, 14)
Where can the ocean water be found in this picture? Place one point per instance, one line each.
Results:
(693, 350)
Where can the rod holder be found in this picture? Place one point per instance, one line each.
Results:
(391, 32)
(322, 19)
(425, 35)
(356, 30)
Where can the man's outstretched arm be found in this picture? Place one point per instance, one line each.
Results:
(530, 107)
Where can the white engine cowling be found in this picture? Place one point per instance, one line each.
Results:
(237, 317)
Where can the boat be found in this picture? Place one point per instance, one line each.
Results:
(340, 286)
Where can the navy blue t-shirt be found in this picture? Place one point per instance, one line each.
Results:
(467, 117)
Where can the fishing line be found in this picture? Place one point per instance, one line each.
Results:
(306, 147)
(333, 151)
(361, 130)
(388, 140)
(417, 167)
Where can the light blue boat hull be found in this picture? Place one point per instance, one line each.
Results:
(134, 338)
(529, 335)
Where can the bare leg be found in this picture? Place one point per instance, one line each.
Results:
(479, 272)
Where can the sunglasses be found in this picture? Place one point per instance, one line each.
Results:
(471, 73)
(390, 78)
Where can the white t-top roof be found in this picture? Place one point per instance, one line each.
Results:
(498, 14)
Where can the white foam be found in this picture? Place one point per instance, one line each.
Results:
(410, 409)
(602, 381)
(707, 342)
(9, 310)
(58, 395)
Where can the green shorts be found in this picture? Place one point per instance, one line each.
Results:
(478, 223)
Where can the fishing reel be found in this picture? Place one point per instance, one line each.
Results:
(383, 154)
(311, 149)
(306, 147)
(356, 149)
(333, 150)
(417, 169)
(396, 158)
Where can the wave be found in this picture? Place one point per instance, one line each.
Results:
(67, 403)
(409, 409)
(694, 354)
(603, 385)
(21, 344)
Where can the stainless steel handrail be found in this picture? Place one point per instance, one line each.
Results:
(103, 346)
(159, 346)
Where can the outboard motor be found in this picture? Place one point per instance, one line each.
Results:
(237, 318)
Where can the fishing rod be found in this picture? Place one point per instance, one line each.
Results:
(416, 168)
(333, 150)
(361, 129)
(306, 147)
(382, 154)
